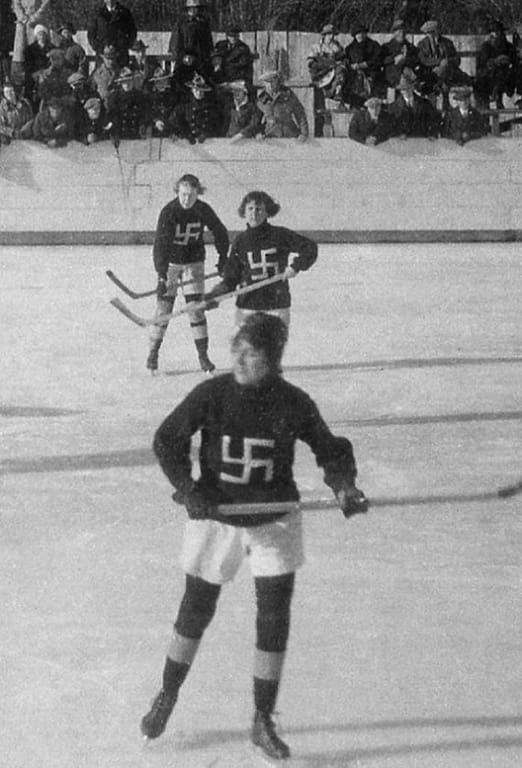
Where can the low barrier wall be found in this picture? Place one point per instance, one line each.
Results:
(340, 190)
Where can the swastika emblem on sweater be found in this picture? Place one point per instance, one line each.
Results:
(256, 455)
(263, 263)
(191, 232)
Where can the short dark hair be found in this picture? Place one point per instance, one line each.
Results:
(272, 208)
(264, 332)
(192, 181)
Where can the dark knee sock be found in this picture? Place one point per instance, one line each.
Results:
(174, 674)
(265, 694)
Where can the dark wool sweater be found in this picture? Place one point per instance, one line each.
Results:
(248, 437)
(179, 235)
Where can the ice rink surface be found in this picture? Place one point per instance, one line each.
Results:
(406, 640)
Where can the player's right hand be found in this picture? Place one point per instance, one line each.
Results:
(161, 288)
(351, 500)
(197, 505)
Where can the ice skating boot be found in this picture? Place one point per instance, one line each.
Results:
(152, 359)
(264, 737)
(205, 362)
(155, 721)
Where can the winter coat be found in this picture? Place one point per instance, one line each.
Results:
(463, 127)
(392, 49)
(362, 126)
(198, 119)
(116, 28)
(232, 62)
(13, 117)
(283, 115)
(419, 119)
(245, 119)
(193, 36)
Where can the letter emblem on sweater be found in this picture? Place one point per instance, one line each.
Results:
(256, 454)
(263, 263)
(191, 232)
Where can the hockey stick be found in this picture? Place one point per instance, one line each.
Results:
(504, 492)
(198, 306)
(135, 295)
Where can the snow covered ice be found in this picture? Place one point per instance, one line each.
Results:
(405, 644)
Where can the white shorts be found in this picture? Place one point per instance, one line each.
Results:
(214, 551)
(193, 275)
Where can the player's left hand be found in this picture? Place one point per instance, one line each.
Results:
(352, 500)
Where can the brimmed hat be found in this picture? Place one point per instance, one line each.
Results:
(40, 28)
(238, 86)
(76, 78)
(430, 26)
(125, 75)
(91, 103)
(233, 30)
(407, 81)
(138, 45)
(329, 29)
(67, 25)
(160, 74)
(110, 52)
(373, 101)
(461, 93)
(270, 74)
(198, 82)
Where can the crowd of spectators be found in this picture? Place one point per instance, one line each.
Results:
(201, 89)
(402, 89)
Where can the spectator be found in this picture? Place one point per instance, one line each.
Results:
(142, 65)
(52, 125)
(52, 82)
(371, 124)
(327, 65)
(191, 43)
(92, 122)
(15, 112)
(7, 35)
(439, 63)
(244, 118)
(199, 117)
(413, 115)
(103, 77)
(517, 66)
(162, 102)
(496, 63)
(232, 59)
(36, 58)
(114, 25)
(283, 115)
(75, 56)
(365, 70)
(129, 109)
(81, 88)
(29, 14)
(398, 54)
(463, 122)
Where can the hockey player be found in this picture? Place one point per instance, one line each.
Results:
(250, 420)
(179, 254)
(259, 253)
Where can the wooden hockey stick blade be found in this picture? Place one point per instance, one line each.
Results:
(135, 295)
(395, 501)
(144, 322)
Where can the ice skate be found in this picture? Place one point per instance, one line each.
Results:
(154, 722)
(206, 363)
(264, 737)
